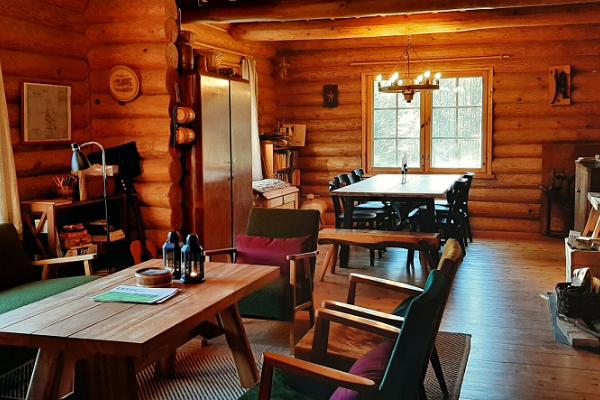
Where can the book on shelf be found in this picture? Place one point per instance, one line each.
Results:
(113, 236)
(136, 294)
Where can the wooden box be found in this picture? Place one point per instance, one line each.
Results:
(279, 198)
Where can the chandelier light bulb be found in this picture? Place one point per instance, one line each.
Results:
(400, 82)
(379, 78)
(419, 78)
(438, 75)
(427, 74)
(394, 77)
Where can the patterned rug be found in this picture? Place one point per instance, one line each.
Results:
(208, 373)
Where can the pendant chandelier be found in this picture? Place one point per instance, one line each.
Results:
(408, 86)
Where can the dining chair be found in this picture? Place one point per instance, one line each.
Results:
(441, 206)
(382, 210)
(401, 360)
(347, 345)
(287, 238)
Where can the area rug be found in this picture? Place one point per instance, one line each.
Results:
(208, 373)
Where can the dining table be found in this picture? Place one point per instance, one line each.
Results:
(415, 188)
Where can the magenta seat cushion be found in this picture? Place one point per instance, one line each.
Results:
(372, 366)
(269, 251)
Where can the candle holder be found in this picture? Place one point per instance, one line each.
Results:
(172, 255)
(404, 173)
(192, 261)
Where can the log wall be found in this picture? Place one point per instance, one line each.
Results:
(43, 42)
(263, 54)
(141, 38)
(523, 119)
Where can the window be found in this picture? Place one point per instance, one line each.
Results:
(447, 130)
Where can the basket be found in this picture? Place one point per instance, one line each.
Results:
(575, 304)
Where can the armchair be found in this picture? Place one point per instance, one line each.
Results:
(400, 377)
(342, 351)
(293, 292)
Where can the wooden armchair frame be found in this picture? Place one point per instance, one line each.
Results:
(298, 262)
(45, 264)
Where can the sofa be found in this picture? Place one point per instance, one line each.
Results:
(21, 284)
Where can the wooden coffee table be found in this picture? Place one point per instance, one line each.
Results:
(106, 343)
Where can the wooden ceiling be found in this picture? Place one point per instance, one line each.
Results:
(284, 20)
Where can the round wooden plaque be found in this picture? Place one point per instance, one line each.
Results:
(123, 83)
(153, 277)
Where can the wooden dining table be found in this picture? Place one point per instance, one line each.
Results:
(95, 349)
(421, 188)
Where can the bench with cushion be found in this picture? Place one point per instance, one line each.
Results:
(20, 284)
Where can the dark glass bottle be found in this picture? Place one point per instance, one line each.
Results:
(172, 255)
(192, 261)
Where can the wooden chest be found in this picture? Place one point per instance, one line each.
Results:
(279, 198)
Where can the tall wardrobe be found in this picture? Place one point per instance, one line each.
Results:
(218, 181)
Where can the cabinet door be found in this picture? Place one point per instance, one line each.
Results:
(216, 163)
(241, 154)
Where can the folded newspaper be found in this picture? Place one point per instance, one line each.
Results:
(136, 294)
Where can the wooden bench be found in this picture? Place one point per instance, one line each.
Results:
(428, 244)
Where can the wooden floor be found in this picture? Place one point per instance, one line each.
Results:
(495, 299)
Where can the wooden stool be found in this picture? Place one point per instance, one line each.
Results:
(428, 244)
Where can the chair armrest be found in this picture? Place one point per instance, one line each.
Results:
(318, 372)
(352, 321)
(303, 256)
(218, 252)
(380, 283)
(63, 260)
(363, 312)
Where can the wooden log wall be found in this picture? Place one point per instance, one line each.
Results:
(141, 38)
(43, 43)
(523, 119)
(263, 54)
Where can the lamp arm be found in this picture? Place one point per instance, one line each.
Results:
(104, 181)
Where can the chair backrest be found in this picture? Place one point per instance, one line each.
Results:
(469, 177)
(337, 204)
(15, 267)
(284, 223)
(456, 198)
(353, 178)
(342, 180)
(359, 172)
(412, 350)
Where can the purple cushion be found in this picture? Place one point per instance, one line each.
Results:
(269, 251)
(372, 366)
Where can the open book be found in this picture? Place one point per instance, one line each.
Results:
(136, 294)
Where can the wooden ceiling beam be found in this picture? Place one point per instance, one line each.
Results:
(298, 10)
(417, 24)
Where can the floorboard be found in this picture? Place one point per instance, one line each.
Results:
(495, 298)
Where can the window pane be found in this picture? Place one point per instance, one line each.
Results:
(409, 122)
(470, 153)
(443, 123)
(470, 91)
(446, 95)
(384, 153)
(383, 100)
(469, 122)
(385, 123)
(413, 152)
(444, 153)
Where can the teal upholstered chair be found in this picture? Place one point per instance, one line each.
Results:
(401, 377)
(292, 292)
(20, 283)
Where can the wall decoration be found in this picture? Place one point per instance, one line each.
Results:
(559, 84)
(46, 113)
(123, 84)
(330, 96)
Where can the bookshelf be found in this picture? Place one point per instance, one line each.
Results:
(280, 162)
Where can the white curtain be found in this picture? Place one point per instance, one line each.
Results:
(249, 72)
(10, 210)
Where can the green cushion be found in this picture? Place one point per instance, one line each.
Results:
(281, 390)
(27, 293)
(273, 302)
(15, 268)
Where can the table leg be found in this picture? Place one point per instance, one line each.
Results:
(345, 249)
(239, 346)
(106, 378)
(45, 381)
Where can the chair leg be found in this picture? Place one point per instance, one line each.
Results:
(371, 257)
(422, 394)
(469, 232)
(439, 373)
(410, 260)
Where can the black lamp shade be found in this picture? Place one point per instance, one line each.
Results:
(79, 161)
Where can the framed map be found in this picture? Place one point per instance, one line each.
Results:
(46, 113)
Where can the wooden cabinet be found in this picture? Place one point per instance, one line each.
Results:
(587, 179)
(218, 181)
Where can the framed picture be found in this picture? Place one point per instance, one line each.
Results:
(46, 113)
(330, 96)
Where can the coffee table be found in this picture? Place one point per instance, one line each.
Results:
(103, 345)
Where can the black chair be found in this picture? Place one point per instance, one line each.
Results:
(382, 210)
(441, 206)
